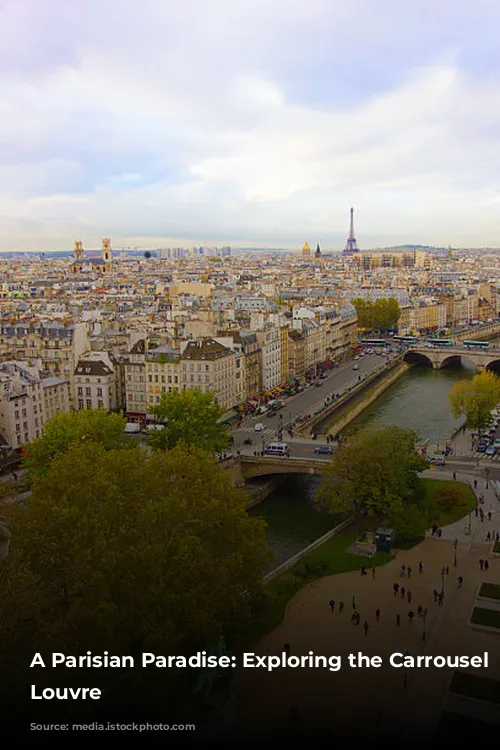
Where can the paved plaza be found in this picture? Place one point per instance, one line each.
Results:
(384, 699)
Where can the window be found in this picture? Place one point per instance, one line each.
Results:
(100, 404)
(88, 392)
(80, 391)
(16, 414)
(80, 403)
(99, 391)
(89, 404)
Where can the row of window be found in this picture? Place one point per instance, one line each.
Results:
(88, 404)
(88, 391)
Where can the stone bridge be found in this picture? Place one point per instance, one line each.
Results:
(442, 356)
(249, 467)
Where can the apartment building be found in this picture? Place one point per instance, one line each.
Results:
(296, 354)
(21, 404)
(97, 385)
(56, 397)
(135, 382)
(209, 366)
(270, 346)
(162, 374)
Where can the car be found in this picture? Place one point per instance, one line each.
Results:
(491, 450)
(481, 447)
(259, 427)
(324, 449)
(356, 358)
(271, 413)
(497, 443)
(355, 367)
(437, 460)
(319, 383)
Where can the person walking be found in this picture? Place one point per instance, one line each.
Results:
(398, 620)
(419, 610)
(341, 607)
(447, 570)
(475, 484)
(420, 567)
(486, 565)
(481, 564)
(435, 595)
(409, 596)
(377, 615)
(460, 581)
(409, 572)
(488, 536)
(411, 615)
(332, 605)
(489, 515)
(476, 512)
(403, 592)
(373, 573)
(366, 626)
(395, 588)
(354, 602)
(440, 598)
(454, 476)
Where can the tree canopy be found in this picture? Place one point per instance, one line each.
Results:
(86, 426)
(190, 417)
(379, 315)
(129, 552)
(372, 473)
(474, 399)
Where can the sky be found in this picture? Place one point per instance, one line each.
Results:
(249, 123)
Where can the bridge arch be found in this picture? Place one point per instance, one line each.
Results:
(493, 366)
(417, 358)
(456, 359)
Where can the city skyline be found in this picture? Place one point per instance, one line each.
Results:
(248, 124)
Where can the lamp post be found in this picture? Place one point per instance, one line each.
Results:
(455, 545)
(424, 618)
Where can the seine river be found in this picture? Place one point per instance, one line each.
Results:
(418, 400)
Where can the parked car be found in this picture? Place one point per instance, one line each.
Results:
(481, 447)
(259, 427)
(491, 450)
(319, 383)
(355, 367)
(324, 449)
(437, 460)
(497, 443)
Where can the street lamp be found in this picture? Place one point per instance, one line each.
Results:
(424, 618)
(455, 545)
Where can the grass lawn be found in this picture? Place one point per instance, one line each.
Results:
(462, 727)
(490, 590)
(327, 560)
(488, 617)
(446, 516)
(472, 686)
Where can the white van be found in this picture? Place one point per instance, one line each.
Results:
(132, 427)
(276, 449)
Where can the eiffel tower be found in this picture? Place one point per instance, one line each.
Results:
(351, 245)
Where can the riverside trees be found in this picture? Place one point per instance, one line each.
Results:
(474, 399)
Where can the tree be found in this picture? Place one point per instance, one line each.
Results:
(379, 315)
(409, 522)
(127, 552)
(190, 417)
(474, 399)
(372, 473)
(147, 254)
(66, 429)
(451, 495)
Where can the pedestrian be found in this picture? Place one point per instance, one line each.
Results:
(475, 484)
(409, 596)
(403, 568)
(489, 515)
(419, 610)
(363, 571)
(447, 571)
(440, 533)
(373, 572)
(435, 595)
(353, 618)
(460, 581)
(15, 476)
(366, 626)
(481, 564)
(398, 620)
(440, 598)
(486, 565)
(497, 537)
(332, 605)
(488, 535)
(411, 615)
(341, 607)
(354, 602)
(454, 476)
(403, 591)
(377, 615)
(395, 588)
(443, 571)
(409, 572)
(476, 512)
(420, 566)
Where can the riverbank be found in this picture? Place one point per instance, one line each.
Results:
(358, 402)
(259, 490)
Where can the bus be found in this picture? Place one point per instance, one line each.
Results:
(406, 339)
(377, 343)
(477, 344)
(441, 342)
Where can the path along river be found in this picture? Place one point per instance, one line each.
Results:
(418, 400)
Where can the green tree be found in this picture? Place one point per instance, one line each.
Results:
(372, 473)
(451, 495)
(409, 522)
(64, 430)
(124, 549)
(474, 399)
(190, 417)
(379, 315)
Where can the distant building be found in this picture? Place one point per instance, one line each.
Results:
(81, 263)
(306, 251)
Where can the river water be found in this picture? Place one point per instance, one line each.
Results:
(418, 400)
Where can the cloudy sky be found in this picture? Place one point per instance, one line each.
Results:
(249, 122)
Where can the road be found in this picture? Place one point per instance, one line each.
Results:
(308, 401)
